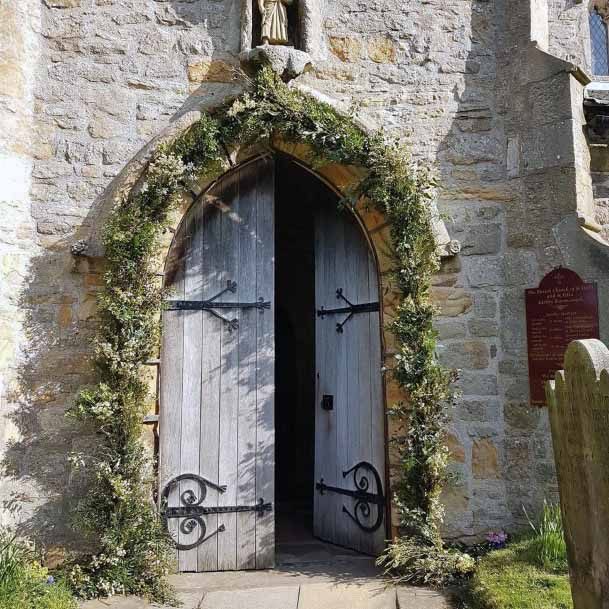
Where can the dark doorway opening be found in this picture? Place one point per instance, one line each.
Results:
(297, 195)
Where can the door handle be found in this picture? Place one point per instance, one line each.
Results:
(327, 402)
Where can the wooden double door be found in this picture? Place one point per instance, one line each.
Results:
(217, 407)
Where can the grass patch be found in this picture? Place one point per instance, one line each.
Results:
(514, 579)
(548, 544)
(24, 583)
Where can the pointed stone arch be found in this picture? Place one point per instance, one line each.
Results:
(340, 177)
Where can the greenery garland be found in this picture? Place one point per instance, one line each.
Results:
(133, 550)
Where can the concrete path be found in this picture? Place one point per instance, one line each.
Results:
(331, 586)
(317, 576)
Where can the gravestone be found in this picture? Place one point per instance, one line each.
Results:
(562, 309)
(578, 404)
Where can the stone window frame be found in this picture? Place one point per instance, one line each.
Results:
(309, 12)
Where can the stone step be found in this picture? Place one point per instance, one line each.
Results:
(313, 596)
(344, 582)
(370, 595)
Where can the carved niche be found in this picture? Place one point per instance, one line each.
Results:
(303, 44)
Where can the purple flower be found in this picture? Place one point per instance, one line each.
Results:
(497, 540)
(50, 580)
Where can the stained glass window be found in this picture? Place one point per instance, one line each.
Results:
(599, 44)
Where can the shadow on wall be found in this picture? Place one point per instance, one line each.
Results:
(502, 454)
(58, 333)
(40, 488)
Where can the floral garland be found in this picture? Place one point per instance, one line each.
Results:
(133, 550)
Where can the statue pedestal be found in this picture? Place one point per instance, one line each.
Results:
(287, 62)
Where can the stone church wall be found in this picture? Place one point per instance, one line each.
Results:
(90, 82)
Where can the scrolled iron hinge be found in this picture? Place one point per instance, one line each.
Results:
(364, 499)
(190, 511)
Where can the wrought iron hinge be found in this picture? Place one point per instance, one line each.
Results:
(191, 512)
(364, 499)
(351, 309)
(211, 305)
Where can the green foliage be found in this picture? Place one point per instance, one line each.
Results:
(510, 579)
(548, 547)
(132, 555)
(411, 562)
(24, 583)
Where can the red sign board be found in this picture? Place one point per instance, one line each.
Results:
(562, 309)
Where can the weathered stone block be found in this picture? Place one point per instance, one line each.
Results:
(456, 499)
(485, 304)
(514, 268)
(481, 239)
(472, 354)
(521, 416)
(450, 329)
(456, 449)
(518, 456)
(382, 49)
(448, 275)
(471, 383)
(513, 367)
(211, 71)
(346, 48)
(485, 461)
(477, 410)
(103, 126)
(513, 322)
(517, 389)
(483, 327)
(451, 301)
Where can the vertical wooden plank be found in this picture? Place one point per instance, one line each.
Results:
(325, 506)
(377, 404)
(211, 372)
(337, 344)
(363, 347)
(265, 365)
(346, 420)
(229, 395)
(246, 440)
(170, 423)
(191, 378)
(349, 449)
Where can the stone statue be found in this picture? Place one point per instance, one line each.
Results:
(274, 21)
(601, 7)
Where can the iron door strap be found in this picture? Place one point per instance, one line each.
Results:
(365, 501)
(191, 513)
(212, 305)
(351, 310)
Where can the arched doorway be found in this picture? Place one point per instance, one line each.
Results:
(272, 409)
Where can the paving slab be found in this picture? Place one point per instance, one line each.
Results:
(347, 596)
(409, 597)
(284, 597)
(314, 577)
(188, 600)
(360, 570)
